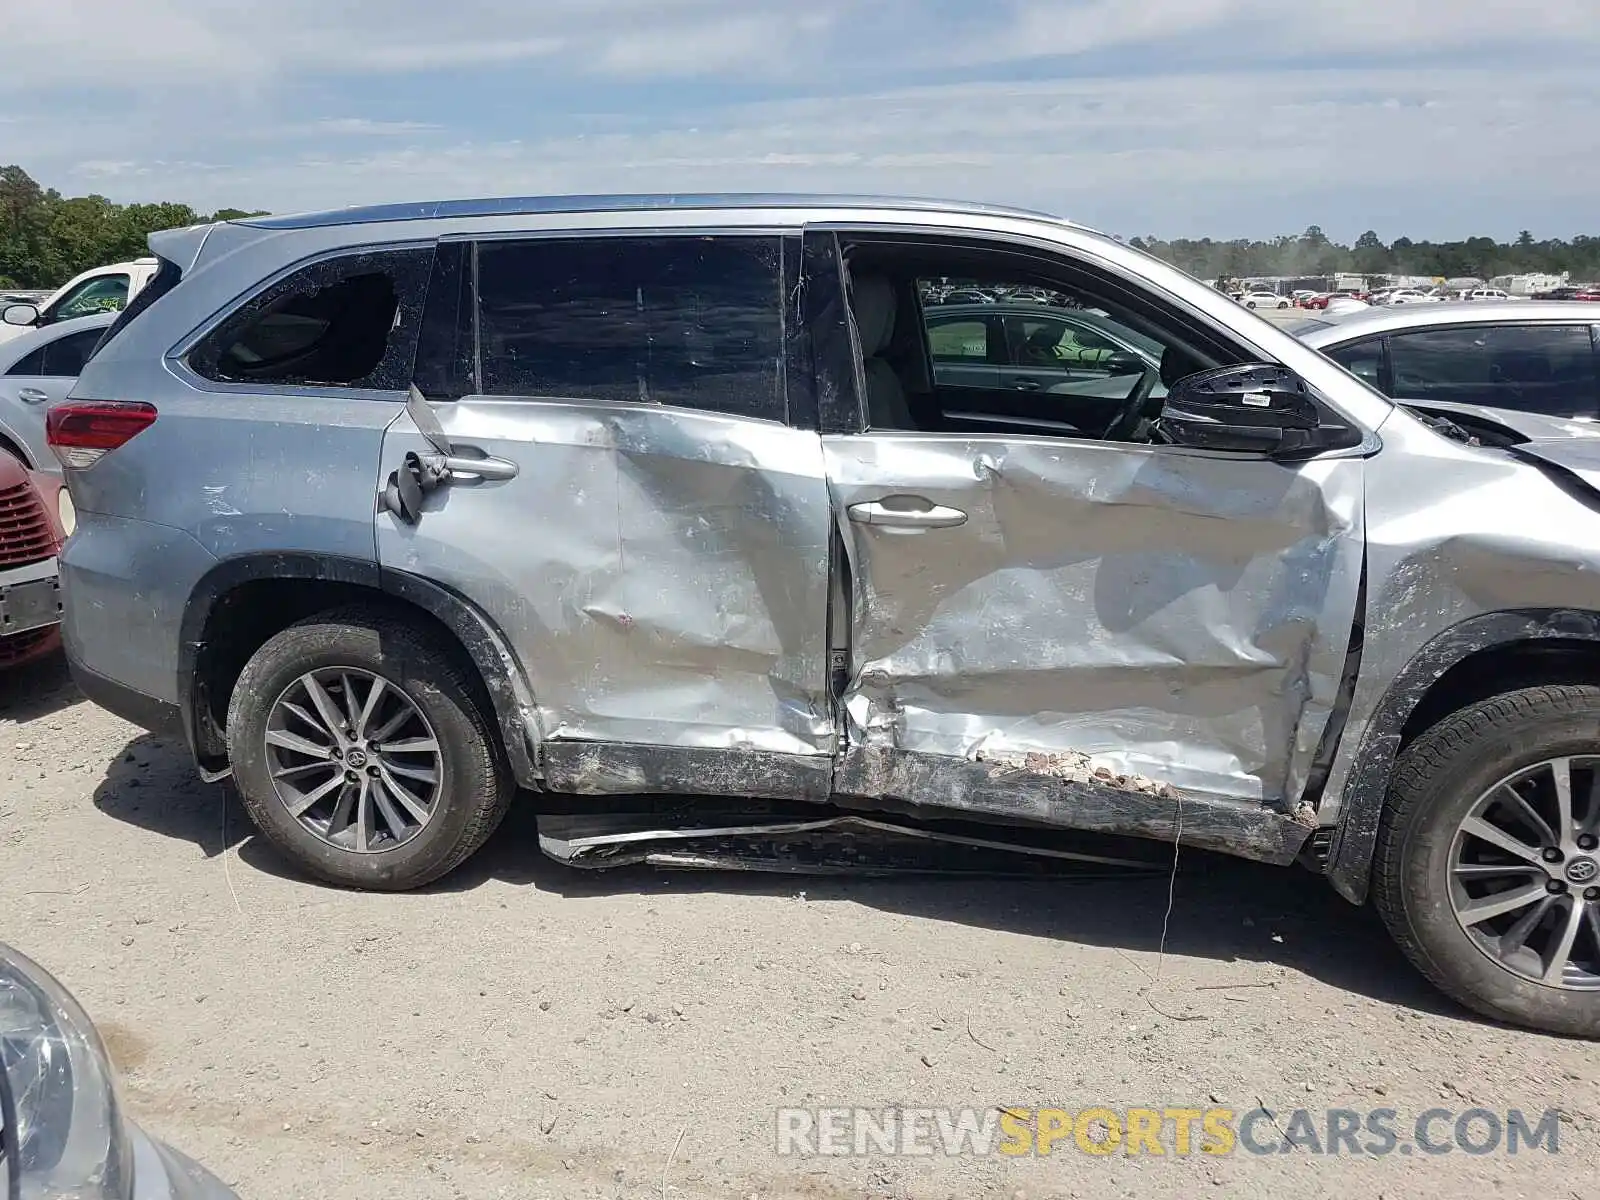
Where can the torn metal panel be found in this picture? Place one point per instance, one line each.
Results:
(1175, 614)
(1001, 791)
(834, 844)
(616, 769)
(669, 585)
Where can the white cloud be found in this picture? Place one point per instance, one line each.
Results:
(326, 104)
(1190, 155)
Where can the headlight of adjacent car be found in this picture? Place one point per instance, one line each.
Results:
(67, 511)
(66, 1134)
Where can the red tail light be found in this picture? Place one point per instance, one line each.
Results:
(82, 432)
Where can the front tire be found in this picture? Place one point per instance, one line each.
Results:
(362, 752)
(1487, 871)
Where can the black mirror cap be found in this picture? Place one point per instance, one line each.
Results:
(1256, 406)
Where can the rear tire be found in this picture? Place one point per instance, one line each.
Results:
(1424, 860)
(470, 788)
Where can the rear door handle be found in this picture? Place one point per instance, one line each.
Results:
(1026, 385)
(32, 395)
(906, 512)
(483, 468)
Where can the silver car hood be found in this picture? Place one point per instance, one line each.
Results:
(1580, 456)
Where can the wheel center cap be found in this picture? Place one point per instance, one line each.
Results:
(358, 759)
(1583, 870)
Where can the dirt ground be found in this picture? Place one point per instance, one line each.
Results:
(528, 1030)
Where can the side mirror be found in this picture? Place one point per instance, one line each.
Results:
(1257, 406)
(1125, 362)
(20, 314)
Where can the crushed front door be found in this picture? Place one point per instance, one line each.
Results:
(1092, 610)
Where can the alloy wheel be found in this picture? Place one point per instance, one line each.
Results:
(353, 759)
(1525, 873)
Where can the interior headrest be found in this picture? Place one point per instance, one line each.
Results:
(872, 300)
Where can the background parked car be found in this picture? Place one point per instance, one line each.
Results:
(102, 289)
(1409, 296)
(37, 370)
(1264, 300)
(58, 1085)
(1528, 365)
(33, 505)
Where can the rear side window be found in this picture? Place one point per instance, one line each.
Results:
(695, 322)
(350, 321)
(1362, 359)
(959, 340)
(1548, 369)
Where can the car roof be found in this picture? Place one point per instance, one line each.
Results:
(499, 206)
(20, 347)
(1365, 322)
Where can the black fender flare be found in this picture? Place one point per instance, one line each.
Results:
(478, 635)
(1367, 787)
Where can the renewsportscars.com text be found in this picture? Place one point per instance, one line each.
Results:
(1016, 1132)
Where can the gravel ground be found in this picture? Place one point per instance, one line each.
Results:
(528, 1030)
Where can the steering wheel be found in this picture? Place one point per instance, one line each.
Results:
(1132, 415)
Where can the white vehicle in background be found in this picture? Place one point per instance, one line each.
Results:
(37, 370)
(1264, 300)
(1411, 296)
(1344, 304)
(1480, 294)
(100, 289)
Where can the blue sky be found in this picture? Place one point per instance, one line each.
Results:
(1430, 118)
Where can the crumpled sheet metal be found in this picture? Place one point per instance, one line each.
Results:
(1456, 532)
(1172, 614)
(669, 585)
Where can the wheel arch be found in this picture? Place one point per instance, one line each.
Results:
(300, 585)
(1482, 656)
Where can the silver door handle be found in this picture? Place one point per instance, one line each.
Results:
(32, 395)
(906, 512)
(483, 468)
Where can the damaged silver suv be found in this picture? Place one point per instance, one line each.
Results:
(394, 511)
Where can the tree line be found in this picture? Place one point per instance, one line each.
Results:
(1313, 253)
(46, 238)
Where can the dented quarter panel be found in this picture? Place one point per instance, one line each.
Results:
(661, 574)
(1170, 613)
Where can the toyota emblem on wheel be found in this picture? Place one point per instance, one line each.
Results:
(1582, 870)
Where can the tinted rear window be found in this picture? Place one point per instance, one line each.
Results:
(1548, 369)
(689, 321)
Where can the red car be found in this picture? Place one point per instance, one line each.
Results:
(31, 512)
(1592, 292)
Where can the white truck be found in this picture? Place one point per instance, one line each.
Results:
(96, 290)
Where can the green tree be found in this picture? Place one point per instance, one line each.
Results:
(46, 239)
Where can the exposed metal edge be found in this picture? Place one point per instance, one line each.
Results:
(938, 784)
(620, 769)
